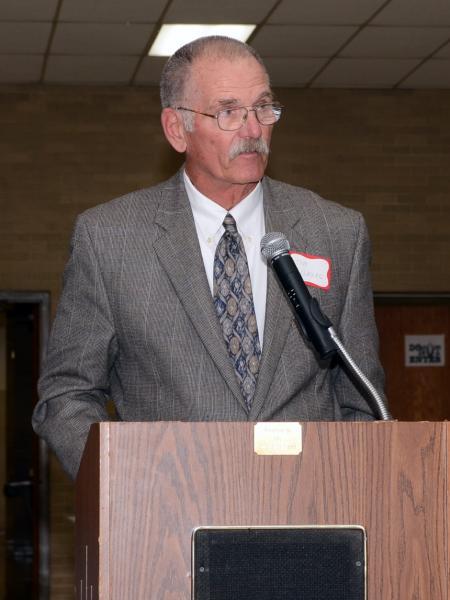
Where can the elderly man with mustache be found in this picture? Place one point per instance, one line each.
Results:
(168, 307)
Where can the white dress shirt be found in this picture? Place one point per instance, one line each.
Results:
(249, 217)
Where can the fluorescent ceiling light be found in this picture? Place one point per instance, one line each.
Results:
(172, 37)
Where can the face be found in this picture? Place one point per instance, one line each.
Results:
(225, 162)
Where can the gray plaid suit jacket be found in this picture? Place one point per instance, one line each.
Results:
(136, 321)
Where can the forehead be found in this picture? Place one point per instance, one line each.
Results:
(217, 79)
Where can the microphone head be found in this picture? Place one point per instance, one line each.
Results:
(273, 244)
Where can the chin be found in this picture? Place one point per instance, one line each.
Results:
(250, 170)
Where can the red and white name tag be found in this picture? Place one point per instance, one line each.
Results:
(315, 270)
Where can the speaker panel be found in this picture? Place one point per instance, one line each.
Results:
(279, 563)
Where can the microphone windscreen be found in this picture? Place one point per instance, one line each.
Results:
(274, 243)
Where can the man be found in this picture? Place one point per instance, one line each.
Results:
(168, 307)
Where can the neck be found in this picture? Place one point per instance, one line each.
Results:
(227, 195)
(233, 197)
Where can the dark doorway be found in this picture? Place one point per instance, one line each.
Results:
(417, 392)
(24, 319)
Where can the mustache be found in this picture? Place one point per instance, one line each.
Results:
(248, 145)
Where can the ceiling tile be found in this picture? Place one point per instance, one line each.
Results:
(20, 69)
(325, 12)
(205, 11)
(299, 41)
(99, 41)
(396, 42)
(27, 10)
(24, 38)
(434, 73)
(112, 11)
(292, 72)
(444, 52)
(415, 12)
(150, 70)
(90, 69)
(100, 38)
(364, 73)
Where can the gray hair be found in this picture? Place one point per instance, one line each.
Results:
(178, 69)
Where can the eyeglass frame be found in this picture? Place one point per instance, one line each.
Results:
(244, 119)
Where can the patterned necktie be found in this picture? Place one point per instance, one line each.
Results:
(233, 301)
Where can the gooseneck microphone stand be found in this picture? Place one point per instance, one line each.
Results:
(314, 324)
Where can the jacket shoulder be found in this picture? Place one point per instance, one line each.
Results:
(291, 197)
(137, 206)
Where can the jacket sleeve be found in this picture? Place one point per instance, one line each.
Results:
(73, 387)
(358, 332)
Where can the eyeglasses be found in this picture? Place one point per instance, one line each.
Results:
(232, 119)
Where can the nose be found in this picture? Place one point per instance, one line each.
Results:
(251, 127)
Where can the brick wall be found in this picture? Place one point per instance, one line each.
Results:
(384, 153)
(62, 150)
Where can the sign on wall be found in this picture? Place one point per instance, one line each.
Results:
(424, 350)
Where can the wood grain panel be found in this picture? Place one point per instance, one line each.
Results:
(88, 513)
(447, 520)
(415, 393)
(165, 479)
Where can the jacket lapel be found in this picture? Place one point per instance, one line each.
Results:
(279, 316)
(179, 252)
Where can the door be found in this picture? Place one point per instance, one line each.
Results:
(24, 485)
(419, 392)
(22, 362)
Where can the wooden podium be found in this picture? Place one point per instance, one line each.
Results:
(143, 487)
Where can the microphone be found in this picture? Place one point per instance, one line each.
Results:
(313, 323)
(316, 326)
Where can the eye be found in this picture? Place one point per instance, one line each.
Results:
(228, 112)
(265, 106)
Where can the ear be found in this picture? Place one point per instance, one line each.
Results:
(174, 130)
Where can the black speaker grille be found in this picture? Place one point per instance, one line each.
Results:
(279, 564)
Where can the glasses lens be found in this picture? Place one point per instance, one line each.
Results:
(231, 118)
(268, 113)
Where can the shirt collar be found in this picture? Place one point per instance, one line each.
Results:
(209, 216)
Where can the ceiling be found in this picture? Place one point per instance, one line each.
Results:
(305, 43)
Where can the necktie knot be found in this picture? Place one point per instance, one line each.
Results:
(229, 224)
